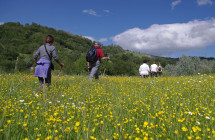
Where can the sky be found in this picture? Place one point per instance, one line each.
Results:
(168, 28)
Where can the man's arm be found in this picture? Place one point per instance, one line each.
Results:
(107, 58)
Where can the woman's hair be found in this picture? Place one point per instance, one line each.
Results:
(145, 61)
(49, 39)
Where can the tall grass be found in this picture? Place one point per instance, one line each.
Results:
(111, 108)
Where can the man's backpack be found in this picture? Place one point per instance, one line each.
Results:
(92, 55)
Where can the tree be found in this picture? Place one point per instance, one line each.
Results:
(190, 66)
(185, 66)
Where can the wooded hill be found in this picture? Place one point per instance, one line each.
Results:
(19, 42)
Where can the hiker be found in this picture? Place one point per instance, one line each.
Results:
(154, 69)
(93, 66)
(144, 69)
(160, 69)
(44, 65)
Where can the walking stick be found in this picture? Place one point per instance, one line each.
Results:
(105, 66)
(23, 80)
(58, 75)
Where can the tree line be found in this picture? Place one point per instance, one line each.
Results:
(19, 42)
(190, 66)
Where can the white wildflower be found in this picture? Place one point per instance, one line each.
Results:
(198, 122)
(190, 113)
(21, 101)
(200, 114)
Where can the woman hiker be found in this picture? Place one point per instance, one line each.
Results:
(44, 65)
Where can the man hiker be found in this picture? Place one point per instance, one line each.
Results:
(144, 69)
(93, 65)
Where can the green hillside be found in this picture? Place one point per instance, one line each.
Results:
(19, 42)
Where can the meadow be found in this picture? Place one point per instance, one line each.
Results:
(114, 107)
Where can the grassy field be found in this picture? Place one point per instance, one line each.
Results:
(112, 108)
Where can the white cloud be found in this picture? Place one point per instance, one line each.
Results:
(199, 2)
(204, 2)
(93, 39)
(90, 11)
(90, 38)
(1, 23)
(167, 39)
(106, 11)
(174, 3)
(103, 40)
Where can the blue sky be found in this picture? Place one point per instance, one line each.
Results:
(169, 28)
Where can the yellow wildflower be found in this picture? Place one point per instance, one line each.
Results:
(25, 124)
(184, 129)
(145, 124)
(77, 123)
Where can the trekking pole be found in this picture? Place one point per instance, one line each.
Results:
(59, 75)
(23, 80)
(105, 66)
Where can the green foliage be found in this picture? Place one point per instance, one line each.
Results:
(24, 61)
(8, 56)
(190, 66)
